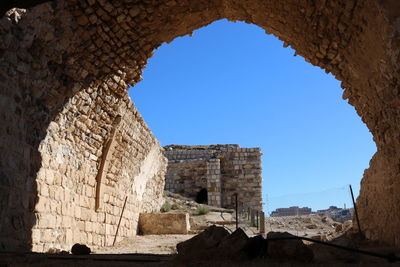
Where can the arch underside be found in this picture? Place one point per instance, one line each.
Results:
(65, 69)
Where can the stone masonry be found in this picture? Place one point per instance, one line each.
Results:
(222, 170)
(63, 58)
(65, 173)
(69, 185)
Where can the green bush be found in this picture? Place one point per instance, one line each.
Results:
(201, 210)
(166, 207)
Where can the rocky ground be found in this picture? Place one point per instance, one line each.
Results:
(166, 244)
(312, 226)
(243, 248)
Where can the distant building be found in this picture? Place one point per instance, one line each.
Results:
(292, 211)
(328, 211)
(342, 215)
(337, 214)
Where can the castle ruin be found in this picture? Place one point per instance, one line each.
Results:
(212, 174)
(73, 146)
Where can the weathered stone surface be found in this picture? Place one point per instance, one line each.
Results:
(339, 228)
(292, 249)
(203, 243)
(163, 223)
(232, 245)
(58, 94)
(213, 167)
(256, 247)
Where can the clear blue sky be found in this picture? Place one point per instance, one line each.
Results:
(232, 84)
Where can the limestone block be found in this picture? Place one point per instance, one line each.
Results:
(68, 236)
(88, 226)
(163, 223)
(36, 234)
(96, 228)
(76, 236)
(47, 235)
(66, 221)
(38, 247)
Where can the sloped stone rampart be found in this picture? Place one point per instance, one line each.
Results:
(59, 52)
(71, 154)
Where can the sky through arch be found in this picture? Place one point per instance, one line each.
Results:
(230, 83)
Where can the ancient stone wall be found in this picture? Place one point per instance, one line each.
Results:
(221, 169)
(72, 152)
(71, 155)
(53, 51)
(241, 168)
(95, 150)
(186, 178)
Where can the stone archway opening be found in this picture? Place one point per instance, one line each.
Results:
(65, 70)
(205, 111)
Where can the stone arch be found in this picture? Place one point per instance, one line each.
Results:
(66, 66)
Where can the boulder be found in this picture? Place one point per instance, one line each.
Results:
(79, 249)
(344, 255)
(53, 251)
(347, 225)
(312, 226)
(256, 247)
(293, 249)
(316, 237)
(338, 228)
(203, 243)
(232, 245)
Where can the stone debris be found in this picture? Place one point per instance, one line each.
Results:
(232, 245)
(215, 243)
(57, 251)
(80, 249)
(256, 247)
(202, 244)
(291, 249)
(316, 226)
(184, 204)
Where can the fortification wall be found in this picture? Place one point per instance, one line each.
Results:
(186, 178)
(242, 169)
(222, 169)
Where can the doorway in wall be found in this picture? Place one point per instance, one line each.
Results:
(202, 196)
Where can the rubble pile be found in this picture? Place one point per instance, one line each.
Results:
(215, 243)
(315, 226)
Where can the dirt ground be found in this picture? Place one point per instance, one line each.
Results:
(312, 226)
(166, 244)
(146, 244)
(160, 250)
